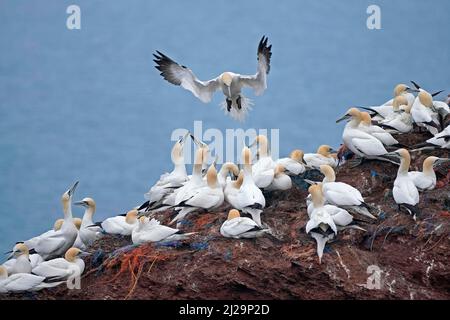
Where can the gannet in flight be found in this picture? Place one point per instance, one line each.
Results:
(405, 191)
(240, 227)
(231, 84)
(426, 179)
(60, 241)
(20, 282)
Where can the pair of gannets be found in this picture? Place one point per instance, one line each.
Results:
(324, 219)
(148, 230)
(58, 242)
(121, 224)
(341, 194)
(168, 182)
(401, 119)
(426, 179)
(385, 110)
(439, 141)
(324, 155)
(241, 227)
(361, 143)
(263, 169)
(20, 282)
(207, 197)
(375, 131)
(230, 83)
(86, 234)
(244, 194)
(72, 265)
(293, 164)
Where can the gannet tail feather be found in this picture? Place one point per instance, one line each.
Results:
(235, 112)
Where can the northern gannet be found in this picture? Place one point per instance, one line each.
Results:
(241, 227)
(423, 112)
(324, 155)
(87, 233)
(375, 131)
(359, 142)
(439, 141)
(263, 168)
(122, 224)
(405, 192)
(249, 198)
(322, 225)
(400, 121)
(20, 282)
(281, 181)
(60, 241)
(62, 268)
(232, 189)
(21, 262)
(230, 83)
(152, 231)
(168, 182)
(426, 179)
(205, 198)
(225, 170)
(342, 194)
(293, 164)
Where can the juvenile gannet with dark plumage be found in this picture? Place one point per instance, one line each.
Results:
(426, 179)
(324, 155)
(405, 191)
(231, 84)
(241, 227)
(293, 164)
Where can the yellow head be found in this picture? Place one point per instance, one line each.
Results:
(230, 167)
(316, 194)
(324, 150)
(20, 249)
(297, 155)
(77, 222)
(247, 156)
(226, 78)
(233, 214)
(366, 118)
(425, 98)
(400, 89)
(279, 169)
(211, 176)
(239, 180)
(131, 216)
(3, 272)
(328, 172)
(72, 254)
(429, 162)
(399, 101)
(353, 114)
(58, 224)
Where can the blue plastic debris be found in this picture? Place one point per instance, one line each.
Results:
(199, 245)
(373, 173)
(169, 244)
(382, 215)
(228, 255)
(327, 249)
(97, 258)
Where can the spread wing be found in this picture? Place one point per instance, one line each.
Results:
(258, 82)
(182, 76)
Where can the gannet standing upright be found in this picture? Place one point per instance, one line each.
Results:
(59, 242)
(263, 169)
(88, 234)
(225, 170)
(231, 84)
(405, 192)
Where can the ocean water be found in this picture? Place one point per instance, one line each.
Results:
(88, 104)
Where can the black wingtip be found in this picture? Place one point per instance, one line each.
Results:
(436, 93)
(415, 85)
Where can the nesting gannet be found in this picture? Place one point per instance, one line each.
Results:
(324, 155)
(57, 243)
(293, 164)
(20, 282)
(231, 189)
(405, 192)
(342, 194)
(62, 268)
(241, 227)
(21, 262)
(359, 142)
(230, 83)
(87, 233)
(205, 198)
(152, 231)
(168, 182)
(122, 224)
(322, 225)
(281, 181)
(225, 170)
(375, 131)
(263, 168)
(426, 179)
(423, 112)
(400, 121)
(249, 198)
(385, 110)
(439, 141)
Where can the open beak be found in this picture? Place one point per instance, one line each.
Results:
(71, 191)
(198, 142)
(344, 117)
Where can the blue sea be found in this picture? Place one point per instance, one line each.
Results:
(88, 104)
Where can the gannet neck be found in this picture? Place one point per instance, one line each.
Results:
(3, 273)
(228, 167)
(404, 163)
(177, 153)
(131, 216)
(427, 167)
(71, 254)
(246, 155)
(317, 196)
(354, 122)
(297, 155)
(263, 149)
(238, 183)
(67, 210)
(211, 177)
(58, 224)
(425, 98)
(328, 172)
(180, 169)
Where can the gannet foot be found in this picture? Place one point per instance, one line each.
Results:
(229, 102)
(238, 102)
